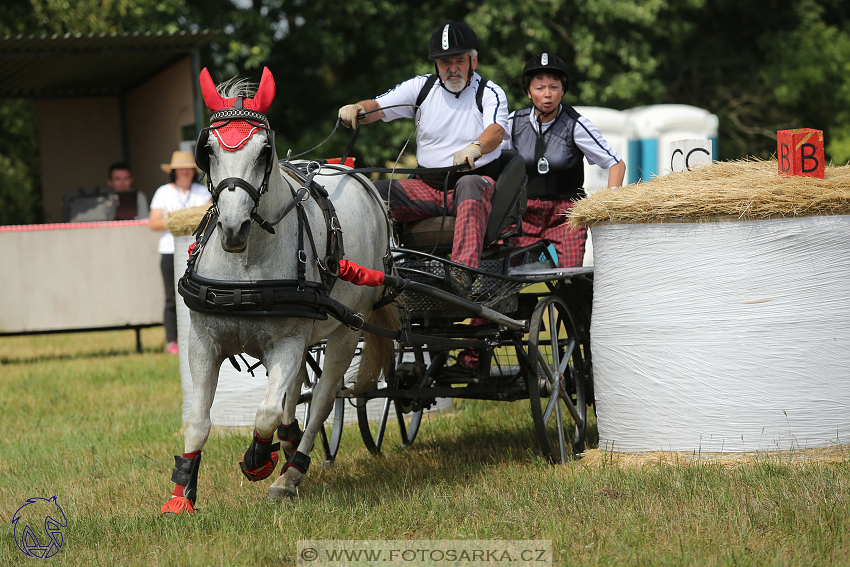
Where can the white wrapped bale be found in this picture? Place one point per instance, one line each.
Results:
(722, 336)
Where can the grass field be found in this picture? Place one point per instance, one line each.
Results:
(87, 419)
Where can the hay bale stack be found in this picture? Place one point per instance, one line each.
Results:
(721, 310)
(736, 190)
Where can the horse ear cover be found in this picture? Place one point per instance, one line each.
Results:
(212, 99)
(261, 102)
(265, 92)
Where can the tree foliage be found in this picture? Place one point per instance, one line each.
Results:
(761, 65)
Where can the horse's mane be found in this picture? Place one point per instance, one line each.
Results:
(237, 87)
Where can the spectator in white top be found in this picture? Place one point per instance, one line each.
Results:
(462, 120)
(180, 193)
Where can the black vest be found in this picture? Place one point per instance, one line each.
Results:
(566, 168)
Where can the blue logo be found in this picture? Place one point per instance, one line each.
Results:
(39, 511)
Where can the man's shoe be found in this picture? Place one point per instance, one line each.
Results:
(460, 281)
(171, 348)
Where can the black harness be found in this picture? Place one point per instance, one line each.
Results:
(285, 298)
(280, 298)
(202, 158)
(277, 298)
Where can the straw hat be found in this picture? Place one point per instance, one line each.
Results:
(180, 160)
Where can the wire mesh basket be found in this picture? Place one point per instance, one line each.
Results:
(490, 287)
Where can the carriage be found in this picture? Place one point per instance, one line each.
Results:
(527, 320)
(275, 293)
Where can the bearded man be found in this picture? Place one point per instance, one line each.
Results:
(461, 121)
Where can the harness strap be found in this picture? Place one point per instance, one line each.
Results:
(432, 79)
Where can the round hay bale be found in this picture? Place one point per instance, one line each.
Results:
(721, 311)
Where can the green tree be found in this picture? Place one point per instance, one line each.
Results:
(20, 180)
(761, 66)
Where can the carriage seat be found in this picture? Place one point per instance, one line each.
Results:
(508, 205)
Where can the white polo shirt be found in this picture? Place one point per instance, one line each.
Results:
(448, 123)
(169, 198)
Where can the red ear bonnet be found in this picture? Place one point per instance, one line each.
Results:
(213, 100)
(236, 133)
(265, 93)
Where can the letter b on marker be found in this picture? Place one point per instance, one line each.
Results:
(800, 152)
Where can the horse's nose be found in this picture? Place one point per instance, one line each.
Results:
(235, 239)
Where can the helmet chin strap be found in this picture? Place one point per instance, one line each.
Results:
(541, 115)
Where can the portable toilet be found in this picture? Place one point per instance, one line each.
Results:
(615, 127)
(655, 127)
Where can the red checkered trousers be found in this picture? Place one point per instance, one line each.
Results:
(413, 199)
(546, 221)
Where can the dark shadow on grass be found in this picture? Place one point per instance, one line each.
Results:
(441, 460)
(80, 355)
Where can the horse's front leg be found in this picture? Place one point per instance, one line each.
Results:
(284, 364)
(288, 432)
(340, 349)
(205, 360)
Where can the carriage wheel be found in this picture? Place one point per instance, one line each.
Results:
(331, 446)
(373, 432)
(556, 389)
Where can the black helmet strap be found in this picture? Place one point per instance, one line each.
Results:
(541, 115)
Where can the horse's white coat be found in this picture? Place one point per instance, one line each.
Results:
(280, 343)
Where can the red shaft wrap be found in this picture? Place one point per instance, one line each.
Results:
(358, 275)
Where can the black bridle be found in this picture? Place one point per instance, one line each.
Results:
(202, 159)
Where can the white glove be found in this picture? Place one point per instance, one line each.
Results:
(350, 113)
(468, 155)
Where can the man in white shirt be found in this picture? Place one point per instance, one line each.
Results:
(462, 120)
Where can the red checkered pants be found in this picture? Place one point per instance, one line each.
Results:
(469, 202)
(545, 220)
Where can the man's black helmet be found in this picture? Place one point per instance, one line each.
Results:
(546, 63)
(450, 39)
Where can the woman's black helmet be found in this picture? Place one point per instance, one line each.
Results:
(545, 63)
(453, 38)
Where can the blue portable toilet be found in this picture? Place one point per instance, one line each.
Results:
(655, 127)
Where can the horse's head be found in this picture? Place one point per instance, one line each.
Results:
(237, 153)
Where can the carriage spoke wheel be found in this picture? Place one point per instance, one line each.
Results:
(330, 445)
(556, 387)
(373, 432)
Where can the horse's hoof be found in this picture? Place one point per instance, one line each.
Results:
(178, 505)
(259, 473)
(278, 493)
(284, 486)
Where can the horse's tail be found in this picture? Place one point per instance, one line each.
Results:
(378, 355)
